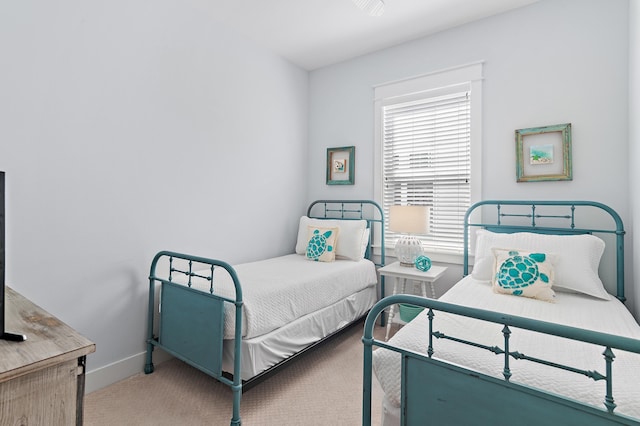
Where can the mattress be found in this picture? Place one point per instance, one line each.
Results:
(265, 351)
(280, 290)
(569, 309)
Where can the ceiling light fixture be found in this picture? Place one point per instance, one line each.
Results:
(372, 7)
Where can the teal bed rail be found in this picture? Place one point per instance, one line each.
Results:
(192, 325)
(440, 392)
(448, 394)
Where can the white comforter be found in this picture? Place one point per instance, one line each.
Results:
(279, 290)
(570, 309)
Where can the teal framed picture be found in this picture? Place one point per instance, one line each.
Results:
(341, 165)
(544, 153)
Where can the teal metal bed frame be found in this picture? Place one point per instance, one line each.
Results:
(191, 322)
(436, 392)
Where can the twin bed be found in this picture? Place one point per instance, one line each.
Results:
(239, 323)
(566, 353)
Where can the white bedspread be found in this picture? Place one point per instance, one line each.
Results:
(569, 309)
(279, 290)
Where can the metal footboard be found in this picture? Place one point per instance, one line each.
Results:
(191, 323)
(434, 390)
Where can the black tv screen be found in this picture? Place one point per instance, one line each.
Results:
(3, 333)
(2, 252)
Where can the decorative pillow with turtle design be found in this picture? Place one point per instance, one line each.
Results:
(354, 236)
(321, 243)
(576, 258)
(524, 273)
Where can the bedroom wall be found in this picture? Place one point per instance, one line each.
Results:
(130, 127)
(555, 61)
(634, 134)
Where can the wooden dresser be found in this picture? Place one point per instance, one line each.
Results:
(42, 378)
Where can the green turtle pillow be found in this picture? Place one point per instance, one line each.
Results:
(523, 273)
(321, 243)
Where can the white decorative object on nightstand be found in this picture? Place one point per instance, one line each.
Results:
(408, 221)
(401, 274)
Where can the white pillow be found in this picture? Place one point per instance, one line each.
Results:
(365, 242)
(350, 237)
(576, 265)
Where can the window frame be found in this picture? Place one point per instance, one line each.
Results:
(434, 84)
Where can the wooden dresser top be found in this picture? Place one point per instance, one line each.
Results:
(49, 340)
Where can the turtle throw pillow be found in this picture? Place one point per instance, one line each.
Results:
(321, 243)
(523, 273)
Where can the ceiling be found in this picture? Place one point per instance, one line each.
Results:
(316, 33)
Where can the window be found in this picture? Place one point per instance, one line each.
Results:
(426, 143)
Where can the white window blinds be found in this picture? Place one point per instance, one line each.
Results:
(426, 161)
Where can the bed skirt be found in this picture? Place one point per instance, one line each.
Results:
(263, 352)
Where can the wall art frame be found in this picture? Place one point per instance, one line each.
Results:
(544, 153)
(341, 165)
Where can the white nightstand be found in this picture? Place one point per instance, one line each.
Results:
(403, 273)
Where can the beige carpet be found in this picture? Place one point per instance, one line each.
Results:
(322, 387)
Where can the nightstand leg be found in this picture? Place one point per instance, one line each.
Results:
(392, 310)
(386, 337)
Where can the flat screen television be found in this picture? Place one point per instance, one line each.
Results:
(4, 335)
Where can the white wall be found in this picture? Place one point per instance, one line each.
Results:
(122, 132)
(634, 133)
(129, 127)
(556, 61)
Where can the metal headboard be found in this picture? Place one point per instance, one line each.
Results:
(510, 216)
(354, 210)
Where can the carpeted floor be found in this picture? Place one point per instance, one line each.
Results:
(322, 387)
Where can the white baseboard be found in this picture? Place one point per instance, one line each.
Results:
(120, 370)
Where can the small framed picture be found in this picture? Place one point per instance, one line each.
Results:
(544, 153)
(341, 165)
